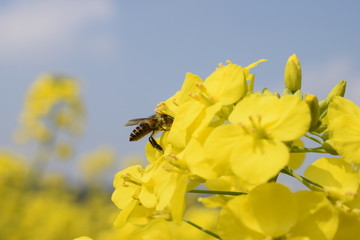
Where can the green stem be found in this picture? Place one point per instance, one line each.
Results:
(274, 179)
(314, 139)
(217, 192)
(202, 229)
(307, 182)
(316, 134)
(297, 149)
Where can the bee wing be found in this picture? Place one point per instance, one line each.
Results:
(135, 121)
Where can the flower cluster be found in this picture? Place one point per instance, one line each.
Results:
(49, 207)
(36, 197)
(53, 102)
(232, 142)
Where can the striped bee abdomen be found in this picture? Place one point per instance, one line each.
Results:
(140, 131)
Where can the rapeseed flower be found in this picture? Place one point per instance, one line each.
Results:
(253, 145)
(128, 185)
(339, 179)
(198, 102)
(344, 126)
(236, 143)
(284, 215)
(53, 101)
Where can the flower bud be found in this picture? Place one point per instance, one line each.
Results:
(328, 147)
(299, 94)
(292, 74)
(313, 104)
(286, 92)
(338, 90)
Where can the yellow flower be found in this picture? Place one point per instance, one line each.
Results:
(128, 186)
(96, 162)
(225, 86)
(64, 150)
(52, 102)
(198, 102)
(166, 179)
(252, 146)
(13, 170)
(83, 238)
(272, 211)
(296, 159)
(344, 126)
(349, 225)
(338, 178)
(169, 107)
(168, 230)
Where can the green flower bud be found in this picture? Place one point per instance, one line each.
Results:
(286, 92)
(322, 127)
(325, 136)
(329, 148)
(267, 92)
(338, 90)
(299, 94)
(313, 104)
(292, 74)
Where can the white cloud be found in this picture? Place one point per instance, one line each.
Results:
(30, 26)
(320, 79)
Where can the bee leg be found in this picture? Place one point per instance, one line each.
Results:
(154, 143)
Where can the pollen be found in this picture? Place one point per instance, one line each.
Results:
(255, 128)
(195, 96)
(202, 87)
(163, 108)
(128, 178)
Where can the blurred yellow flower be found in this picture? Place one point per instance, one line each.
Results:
(97, 162)
(52, 102)
(83, 238)
(64, 150)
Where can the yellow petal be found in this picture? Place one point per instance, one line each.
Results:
(257, 161)
(227, 84)
(270, 209)
(83, 238)
(125, 190)
(219, 147)
(199, 165)
(340, 106)
(338, 177)
(285, 119)
(318, 218)
(344, 126)
(124, 214)
(348, 227)
(191, 120)
(157, 229)
(189, 86)
(233, 226)
(296, 159)
(147, 197)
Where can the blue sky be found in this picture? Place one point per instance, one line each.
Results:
(130, 55)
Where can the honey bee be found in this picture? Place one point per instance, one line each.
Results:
(153, 124)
